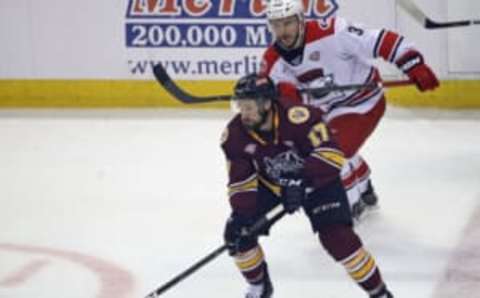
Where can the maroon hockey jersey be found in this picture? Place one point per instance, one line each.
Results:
(299, 145)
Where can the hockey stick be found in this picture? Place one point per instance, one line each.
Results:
(164, 79)
(411, 8)
(267, 220)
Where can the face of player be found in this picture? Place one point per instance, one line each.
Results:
(287, 31)
(253, 115)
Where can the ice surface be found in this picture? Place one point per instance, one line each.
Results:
(111, 204)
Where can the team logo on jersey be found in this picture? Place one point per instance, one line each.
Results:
(282, 165)
(298, 115)
(315, 56)
(328, 80)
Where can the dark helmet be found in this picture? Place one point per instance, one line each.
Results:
(256, 87)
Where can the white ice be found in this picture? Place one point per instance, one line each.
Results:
(144, 191)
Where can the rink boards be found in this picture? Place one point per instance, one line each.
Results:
(454, 94)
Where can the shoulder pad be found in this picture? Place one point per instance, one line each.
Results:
(270, 56)
(298, 114)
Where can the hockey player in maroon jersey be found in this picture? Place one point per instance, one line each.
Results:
(314, 54)
(286, 155)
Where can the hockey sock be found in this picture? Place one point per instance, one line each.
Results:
(345, 247)
(252, 264)
(356, 174)
(362, 172)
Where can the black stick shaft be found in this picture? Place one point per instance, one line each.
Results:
(166, 81)
(269, 219)
(332, 88)
(188, 272)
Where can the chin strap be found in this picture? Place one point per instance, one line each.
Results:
(301, 32)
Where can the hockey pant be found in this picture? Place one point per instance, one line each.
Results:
(351, 129)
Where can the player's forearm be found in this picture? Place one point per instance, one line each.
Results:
(390, 45)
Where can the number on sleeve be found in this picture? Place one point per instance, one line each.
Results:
(355, 30)
(318, 134)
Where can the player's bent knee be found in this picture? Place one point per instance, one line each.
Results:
(340, 241)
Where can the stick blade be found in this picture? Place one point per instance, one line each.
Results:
(161, 74)
(430, 24)
(413, 10)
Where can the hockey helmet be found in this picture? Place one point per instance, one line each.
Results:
(254, 87)
(279, 9)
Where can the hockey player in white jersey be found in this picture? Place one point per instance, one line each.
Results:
(316, 53)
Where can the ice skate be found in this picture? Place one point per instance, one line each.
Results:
(369, 197)
(384, 294)
(263, 290)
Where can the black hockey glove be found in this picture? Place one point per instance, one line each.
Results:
(236, 234)
(293, 195)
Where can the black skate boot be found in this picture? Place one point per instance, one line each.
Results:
(358, 209)
(385, 294)
(368, 201)
(261, 290)
(369, 197)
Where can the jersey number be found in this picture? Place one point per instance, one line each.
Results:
(318, 134)
(355, 30)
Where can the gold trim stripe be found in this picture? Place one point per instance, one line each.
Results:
(360, 265)
(334, 156)
(242, 182)
(329, 159)
(276, 189)
(360, 274)
(354, 259)
(252, 261)
(249, 184)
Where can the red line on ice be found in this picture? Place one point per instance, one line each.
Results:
(462, 275)
(21, 276)
(115, 282)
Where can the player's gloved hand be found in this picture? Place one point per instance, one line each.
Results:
(236, 233)
(293, 194)
(413, 65)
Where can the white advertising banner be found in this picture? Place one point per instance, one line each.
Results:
(203, 39)
(194, 39)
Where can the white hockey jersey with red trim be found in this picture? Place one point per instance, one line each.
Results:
(336, 53)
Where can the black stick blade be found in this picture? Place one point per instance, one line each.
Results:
(164, 79)
(430, 24)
